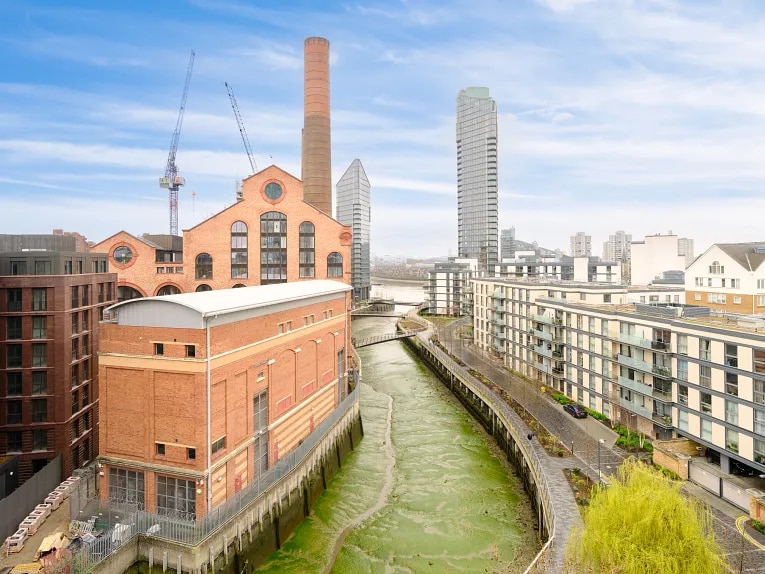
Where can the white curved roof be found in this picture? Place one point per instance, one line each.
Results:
(190, 309)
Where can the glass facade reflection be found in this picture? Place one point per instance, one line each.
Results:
(477, 188)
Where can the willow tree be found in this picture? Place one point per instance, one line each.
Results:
(643, 523)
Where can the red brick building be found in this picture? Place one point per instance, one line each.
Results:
(202, 392)
(50, 305)
(271, 235)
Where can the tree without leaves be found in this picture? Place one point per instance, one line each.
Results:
(643, 523)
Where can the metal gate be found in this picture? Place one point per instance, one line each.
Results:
(704, 478)
(735, 494)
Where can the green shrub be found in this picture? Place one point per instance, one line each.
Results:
(758, 526)
(561, 398)
(666, 472)
(598, 416)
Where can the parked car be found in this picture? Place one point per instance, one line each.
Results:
(576, 411)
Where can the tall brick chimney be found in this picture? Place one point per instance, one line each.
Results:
(317, 144)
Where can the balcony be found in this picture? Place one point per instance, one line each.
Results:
(546, 319)
(661, 346)
(635, 340)
(499, 308)
(637, 409)
(641, 388)
(544, 335)
(662, 420)
(497, 319)
(542, 368)
(544, 351)
(634, 363)
(498, 346)
(558, 373)
(499, 295)
(661, 371)
(552, 299)
(499, 334)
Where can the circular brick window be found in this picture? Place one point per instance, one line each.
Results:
(123, 255)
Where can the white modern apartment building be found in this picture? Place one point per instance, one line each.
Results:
(448, 289)
(530, 265)
(728, 277)
(477, 183)
(581, 245)
(666, 369)
(659, 253)
(354, 209)
(618, 247)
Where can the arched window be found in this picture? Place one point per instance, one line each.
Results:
(239, 250)
(334, 265)
(716, 268)
(239, 285)
(273, 248)
(124, 293)
(203, 287)
(168, 290)
(307, 244)
(204, 266)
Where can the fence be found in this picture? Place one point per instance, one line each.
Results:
(17, 505)
(191, 532)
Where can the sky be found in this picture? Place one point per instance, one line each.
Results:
(636, 115)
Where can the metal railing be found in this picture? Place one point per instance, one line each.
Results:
(191, 532)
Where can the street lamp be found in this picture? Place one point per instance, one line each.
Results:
(600, 442)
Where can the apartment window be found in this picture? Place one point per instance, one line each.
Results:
(239, 255)
(14, 441)
(160, 449)
(705, 376)
(43, 268)
(759, 361)
(75, 323)
(13, 356)
(736, 300)
(75, 349)
(39, 299)
(68, 267)
(682, 395)
(75, 374)
(307, 253)
(13, 412)
(191, 351)
(759, 392)
(731, 383)
(40, 440)
(607, 298)
(735, 283)
(334, 265)
(39, 327)
(731, 412)
(706, 402)
(604, 327)
(39, 383)
(706, 430)
(13, 328)
(13, 387)
(759, 451)
(697, 297)
(273, 248)
(204, 266)
(218, 445)
(191, 453)
(18, 267)
(761, 300)
(126, 486)
(39, 354)
(731, 440)
(731, 355)
(85, 396)
(705, 350)
(176, 496)
(159, 348)
(75, 297)
(85, 295)
(682, 369)
(40, 410)
(759, 422)
(14, 300)
(682, 420)
(75, 402)
(85, 345)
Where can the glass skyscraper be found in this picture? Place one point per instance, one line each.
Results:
(477, 177)
(353, 209)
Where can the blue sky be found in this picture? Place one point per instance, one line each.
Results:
(642, 115)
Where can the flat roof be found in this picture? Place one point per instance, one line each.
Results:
(224, 301)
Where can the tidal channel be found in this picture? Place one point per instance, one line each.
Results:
(424, 491)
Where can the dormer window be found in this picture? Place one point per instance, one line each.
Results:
(716, 268)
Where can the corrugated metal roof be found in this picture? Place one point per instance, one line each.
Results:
(222, 301)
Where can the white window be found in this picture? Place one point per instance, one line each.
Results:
(682, 420)
(761, 284)
(716, 268)
(706, 430)
(761, 300)
(736, 300)
(697, 297)
(735, 283)
(699, 282)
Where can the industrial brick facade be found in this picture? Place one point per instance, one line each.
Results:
(273, 376)
(236, 247)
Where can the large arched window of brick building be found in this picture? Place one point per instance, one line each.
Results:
(334, 265)
(273, 248)
(203, 287)
(307, 245)
(204, 266)
(124, 292)
(168, 290)
(239, 250)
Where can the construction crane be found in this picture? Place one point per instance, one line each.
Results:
(240, 123)
(172, 181)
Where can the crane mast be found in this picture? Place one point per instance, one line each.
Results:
(172, 181)
(242, 131)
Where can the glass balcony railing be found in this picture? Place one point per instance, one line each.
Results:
(546, 319)
(635, 340)
(542, 368)
(662, 420)
(634, 363)
(641, 388)
(544, 351)
(637, 409)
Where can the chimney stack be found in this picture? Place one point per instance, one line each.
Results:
(317, 144)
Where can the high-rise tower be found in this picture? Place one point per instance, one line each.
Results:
(477, 189)
(353, 209)
(317, 144)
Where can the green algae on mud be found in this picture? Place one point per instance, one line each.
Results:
(453, 506)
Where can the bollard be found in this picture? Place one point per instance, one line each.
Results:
(164, 561)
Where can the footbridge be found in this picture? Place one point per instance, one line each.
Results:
(358, 343)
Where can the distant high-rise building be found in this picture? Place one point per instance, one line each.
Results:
(477, 188)
(353, 209)
(617, 248)
(581, 245)
(507, 243)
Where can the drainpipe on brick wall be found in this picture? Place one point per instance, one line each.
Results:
(209, 438)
